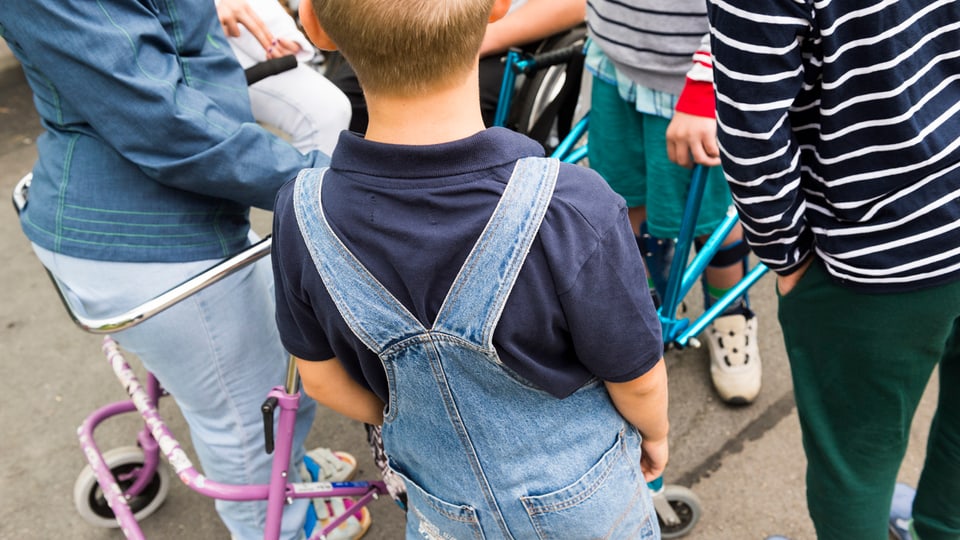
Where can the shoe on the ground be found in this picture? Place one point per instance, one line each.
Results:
(735, 357)
(901, 513)
(324, 465)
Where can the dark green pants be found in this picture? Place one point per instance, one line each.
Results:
(860, 364)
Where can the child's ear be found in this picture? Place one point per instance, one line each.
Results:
(500, 8)
(311, 25)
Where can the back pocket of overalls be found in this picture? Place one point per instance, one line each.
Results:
(431, 518)
(609, 501)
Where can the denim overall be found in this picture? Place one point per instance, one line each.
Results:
(483, 453)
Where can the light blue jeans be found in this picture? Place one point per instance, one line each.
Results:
(217, 353)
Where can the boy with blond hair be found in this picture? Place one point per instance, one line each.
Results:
(483, 303)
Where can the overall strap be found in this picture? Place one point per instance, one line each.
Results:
(374, 315)
(473, 306)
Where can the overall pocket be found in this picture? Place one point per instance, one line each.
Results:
(610, 500)
(431, 518)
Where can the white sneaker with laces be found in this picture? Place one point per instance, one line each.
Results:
(735, 358)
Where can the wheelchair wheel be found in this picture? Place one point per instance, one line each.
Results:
(686, 505)
(539, 90)
(124, 463)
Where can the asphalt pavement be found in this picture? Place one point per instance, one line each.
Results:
(745, 463)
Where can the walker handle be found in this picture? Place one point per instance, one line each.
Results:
(552, 58)
(144, 311)
(267, 409)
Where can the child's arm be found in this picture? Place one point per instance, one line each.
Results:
(331, 385)
(692, 133)
(643, 402)
(534, 20)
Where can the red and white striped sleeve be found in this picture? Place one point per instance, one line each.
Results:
(697, 96)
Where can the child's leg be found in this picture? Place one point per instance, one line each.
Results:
(656, 191)
(735, 365)
(936, 508)
(860, 364)
(638, 216)
(303, 104)
(727, 267)
(613, 121)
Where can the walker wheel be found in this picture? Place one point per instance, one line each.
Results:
(686, 505)
(124, 464)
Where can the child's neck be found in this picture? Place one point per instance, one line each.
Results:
(435, 117)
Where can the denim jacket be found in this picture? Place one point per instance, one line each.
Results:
(150, 151)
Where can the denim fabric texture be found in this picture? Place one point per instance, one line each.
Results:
(411, 214)
(147, 168)
(150, 151)
(485, 454)
(218, 353)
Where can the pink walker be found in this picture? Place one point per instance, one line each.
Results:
(127, 484)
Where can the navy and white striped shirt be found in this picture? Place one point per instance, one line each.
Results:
(839, 124)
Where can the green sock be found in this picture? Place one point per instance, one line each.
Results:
(716, 293)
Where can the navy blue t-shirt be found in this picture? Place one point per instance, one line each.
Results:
(411, 214)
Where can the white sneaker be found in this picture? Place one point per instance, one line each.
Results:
(735, 358)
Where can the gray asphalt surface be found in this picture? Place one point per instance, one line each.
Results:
(745, 463)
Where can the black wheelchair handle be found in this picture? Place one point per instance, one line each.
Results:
(559, 56)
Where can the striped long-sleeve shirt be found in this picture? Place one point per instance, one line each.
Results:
(652, 41)
(839, 124)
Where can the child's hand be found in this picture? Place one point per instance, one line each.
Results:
(785, 284)
(690, 136)
(654, 458)
(233, 13)
(643, 402)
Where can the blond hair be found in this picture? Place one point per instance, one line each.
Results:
(405, 47)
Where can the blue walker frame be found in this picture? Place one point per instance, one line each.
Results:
(684, 272)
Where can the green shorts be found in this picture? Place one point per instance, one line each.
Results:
(629, 149)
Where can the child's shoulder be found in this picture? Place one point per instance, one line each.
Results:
(584, 194)
(284, 197)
